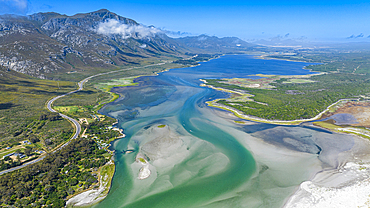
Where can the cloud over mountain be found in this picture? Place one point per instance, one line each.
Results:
(113, 26)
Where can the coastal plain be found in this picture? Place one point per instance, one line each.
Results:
(178, 152)
(280, 157)
(344, 183)
(177, 122)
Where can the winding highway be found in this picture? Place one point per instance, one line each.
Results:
(75, 122)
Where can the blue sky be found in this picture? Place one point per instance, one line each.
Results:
(316, 20)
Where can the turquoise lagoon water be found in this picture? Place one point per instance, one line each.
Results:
(211, 161)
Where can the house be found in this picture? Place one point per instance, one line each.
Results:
(15, 155)
(8, 155)
(20, 155)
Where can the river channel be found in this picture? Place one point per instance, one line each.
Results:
(198, 156)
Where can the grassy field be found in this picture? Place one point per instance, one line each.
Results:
(329, 124)
(79, 75)
(106, 173)
(83, 103)
(70, 109)
(298, 81)
(22, 102)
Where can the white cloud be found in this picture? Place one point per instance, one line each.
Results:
(13, 6)
(113, 26)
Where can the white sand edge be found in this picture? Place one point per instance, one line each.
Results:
(91, 196)
(351, 189)
(144, 172)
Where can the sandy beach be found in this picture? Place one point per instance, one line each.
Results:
(344, 187)
(93, 196)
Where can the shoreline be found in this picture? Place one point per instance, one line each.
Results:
(241, 115)
(212, 104)
(234, 111)
(345, 186)
(93, 196)
(265, 57)
(86, 197)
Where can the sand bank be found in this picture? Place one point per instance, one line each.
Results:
(94, 196)
(144, 171)
(346, 186)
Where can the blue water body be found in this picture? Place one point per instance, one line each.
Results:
(238, 66)
(343, 119)
(219, 167)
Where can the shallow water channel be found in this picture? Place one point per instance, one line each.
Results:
(201, 157)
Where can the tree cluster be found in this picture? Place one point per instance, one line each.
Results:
(51, 116)
(49, 182)
(308, 99)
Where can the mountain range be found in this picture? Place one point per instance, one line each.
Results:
(44, 44)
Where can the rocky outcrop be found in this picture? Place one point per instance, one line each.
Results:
(48, 44)
(45, 44)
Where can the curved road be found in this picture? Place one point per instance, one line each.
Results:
(49, 106)
(77, 125)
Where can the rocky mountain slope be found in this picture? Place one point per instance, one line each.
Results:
(215, 44)
(45, 44)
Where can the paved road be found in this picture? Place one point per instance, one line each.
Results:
(77, 125)
(21, 166)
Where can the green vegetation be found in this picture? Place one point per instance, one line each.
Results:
(202, 57)
(97, 91)
(196, 58)
(106, 173)
(329, 124)
(126, 81)
(239, 122)
(293, 99)
(100, 131)
(132, 73)
(107, 87)
(333, 60)
(81, 104)
(298, 81)
(186, 62)
(25, 118)
(142, 160)
(161, 126)
(61, 174)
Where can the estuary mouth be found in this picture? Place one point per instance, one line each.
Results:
(190, 155)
